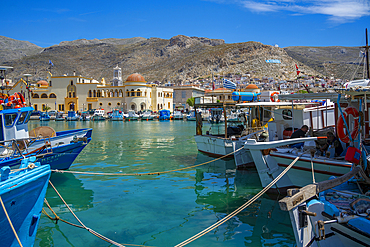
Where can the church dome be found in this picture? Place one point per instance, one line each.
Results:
(135, 78)
(251, 86)
(42, 83)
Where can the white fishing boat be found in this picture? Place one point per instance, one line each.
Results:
(272, 157)
(177, 115)
(132, 116)
(98, 115)
(147, 115)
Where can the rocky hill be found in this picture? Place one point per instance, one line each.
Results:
(179, 59)
(11, 49)
(337, 61)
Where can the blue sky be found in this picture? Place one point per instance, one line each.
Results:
(285, 22)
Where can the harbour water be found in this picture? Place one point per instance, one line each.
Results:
(157, 210)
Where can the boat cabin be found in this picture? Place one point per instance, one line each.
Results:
(14, 123)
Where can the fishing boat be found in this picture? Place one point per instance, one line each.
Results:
(147, 115)
(164, 114)
(22, 196)
(191, 116)
(336, 212)
(132, 116)
(59, 116)
(59, 149)
(44, 116)
(85, 116)
(331, 213)
(72, 116)
(116, 115)
(177, 115)
(98, 115)
(224, 140)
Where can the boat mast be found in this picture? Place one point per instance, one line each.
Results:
(367, 56)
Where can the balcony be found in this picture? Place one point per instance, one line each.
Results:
(92, 99)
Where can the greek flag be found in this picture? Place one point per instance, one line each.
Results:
(229, 84)
(51, 63)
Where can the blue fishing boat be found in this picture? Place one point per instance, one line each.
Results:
(116, 115)
(164, 114)
(22, 196)
(72, 116)
(59, 149)
(44, 116)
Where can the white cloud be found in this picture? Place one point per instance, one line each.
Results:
(336, 10)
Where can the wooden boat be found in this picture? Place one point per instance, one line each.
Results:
(132, 116)
(22, 195)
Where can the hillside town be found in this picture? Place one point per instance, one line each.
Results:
(79, 93)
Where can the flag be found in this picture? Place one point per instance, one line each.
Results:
(297, 69)
(229, 84)
(213, 84)
(51, 63)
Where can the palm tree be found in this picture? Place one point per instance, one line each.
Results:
(46, 108)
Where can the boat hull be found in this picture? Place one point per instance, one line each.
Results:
(65, 148)
(23, 196)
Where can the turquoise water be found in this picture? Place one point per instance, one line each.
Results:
(157, 210)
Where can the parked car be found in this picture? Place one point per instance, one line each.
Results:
(35, 113)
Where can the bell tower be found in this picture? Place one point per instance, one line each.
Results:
(117, 76)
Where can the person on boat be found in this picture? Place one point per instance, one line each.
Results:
(299, 133)
(332, 141)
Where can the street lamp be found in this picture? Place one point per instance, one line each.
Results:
(28, 88)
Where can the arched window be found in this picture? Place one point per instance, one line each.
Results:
(90, 94)
(69, 94)
(116, 93)
(44, 96)
(98, 93)
(35, 96)
(74, 94)
(127, 93)
(52, 96)
(120, 93)
(71, 82)
(169, 105)
(138, 93)
(94, 93)
(111, 93)
(132, 92)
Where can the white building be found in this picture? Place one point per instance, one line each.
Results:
(78, 93)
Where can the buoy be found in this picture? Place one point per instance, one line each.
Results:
(340, 130)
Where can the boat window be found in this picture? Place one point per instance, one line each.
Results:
(22, 117)
(287, 114)
(9, 119)
(27, 118)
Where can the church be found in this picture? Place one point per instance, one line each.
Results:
(78, 93)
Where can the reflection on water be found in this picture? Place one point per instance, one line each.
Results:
(159, 210)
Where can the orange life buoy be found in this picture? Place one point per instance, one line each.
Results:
(272, 97)
(22, 98)
(340, 129)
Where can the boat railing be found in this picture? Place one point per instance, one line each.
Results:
(21, 147)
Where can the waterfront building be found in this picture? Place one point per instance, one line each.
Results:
(79, 93)
(183, 93)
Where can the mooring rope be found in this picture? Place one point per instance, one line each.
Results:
(10, 222)
(86, 228)
(245, 205)
(143, 174)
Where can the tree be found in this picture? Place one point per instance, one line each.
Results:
(46, 108)
(190, 101)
